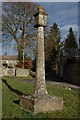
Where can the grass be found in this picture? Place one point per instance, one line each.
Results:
(33, 74)
(29, 77)
(12, 88)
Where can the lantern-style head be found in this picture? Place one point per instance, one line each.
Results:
(40, 17)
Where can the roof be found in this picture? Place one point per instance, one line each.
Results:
(8, 57)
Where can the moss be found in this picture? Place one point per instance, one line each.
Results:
(33, 74)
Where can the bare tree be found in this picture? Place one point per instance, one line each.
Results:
(17, 24)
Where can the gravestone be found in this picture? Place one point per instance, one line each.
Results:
(41, 101)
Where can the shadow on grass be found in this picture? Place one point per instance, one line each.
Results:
(16, 102)
(12, 89)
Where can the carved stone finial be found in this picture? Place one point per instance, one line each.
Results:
(41, 8)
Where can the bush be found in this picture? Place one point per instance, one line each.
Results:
(27, 64)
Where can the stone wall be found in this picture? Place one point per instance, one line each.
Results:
(8, 71)
(10, 63)
(0, 69)
(71, 73)
(22, 72)
(13, 72)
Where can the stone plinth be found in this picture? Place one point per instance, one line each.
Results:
(38, 104)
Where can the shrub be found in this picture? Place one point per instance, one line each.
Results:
(27, 64)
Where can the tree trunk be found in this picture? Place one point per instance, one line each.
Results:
(20, 51)
(56, 69)
(23, 57)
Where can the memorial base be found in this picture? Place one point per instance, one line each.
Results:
(41, 104)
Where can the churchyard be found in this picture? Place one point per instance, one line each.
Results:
(27, 94)
(13, 87)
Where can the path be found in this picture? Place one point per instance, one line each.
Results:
(66, 85)
(52, 80)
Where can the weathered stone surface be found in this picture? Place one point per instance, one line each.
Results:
(41, 104)
(12, 64)
(40, 101)
(8, 71)
(26, 102)
(40, 66)
(11, 72)
(22, 72)
(0, 69)
(4, 71)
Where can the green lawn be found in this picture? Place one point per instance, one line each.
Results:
(12, 88)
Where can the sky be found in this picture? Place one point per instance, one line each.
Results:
(65, 14)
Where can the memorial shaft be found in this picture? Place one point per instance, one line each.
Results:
(40, 101)
(40, 65)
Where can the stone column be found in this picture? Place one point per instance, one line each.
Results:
(40, 101)
(40, 64)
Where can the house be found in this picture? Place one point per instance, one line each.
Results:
(8, 66)
(8, 60)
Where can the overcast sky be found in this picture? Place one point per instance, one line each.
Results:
(65, 14)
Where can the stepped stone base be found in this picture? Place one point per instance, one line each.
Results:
(41, 104)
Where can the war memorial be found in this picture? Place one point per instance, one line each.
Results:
(40, 101)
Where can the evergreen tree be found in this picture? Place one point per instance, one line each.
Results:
(79, 42)
(70, 41)
(53, 48)
(53, 40)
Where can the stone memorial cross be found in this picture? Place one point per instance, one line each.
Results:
(40, 101)
(40, 23)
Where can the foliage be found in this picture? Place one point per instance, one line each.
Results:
(70, 45)
(33, 74)
(27, 64)
(79, 42)
(11, 108)
(53, 47)
(28, 58)
(70, 41)
(34, 65)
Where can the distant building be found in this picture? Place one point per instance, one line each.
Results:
(8, 60)
(8, 66)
